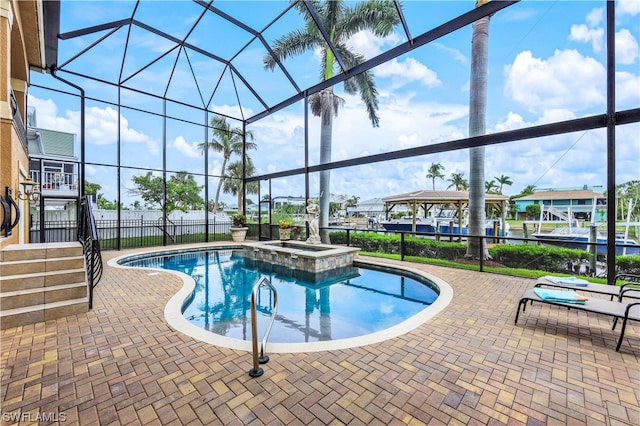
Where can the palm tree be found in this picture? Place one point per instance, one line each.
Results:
(489, 186)
(503, 180)
(341, 21)
(458, 181)
(435, 172)
(234, 181)
(477, 114)
(528, 190)
(227, 141)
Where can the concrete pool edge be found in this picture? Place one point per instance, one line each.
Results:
(173, 308)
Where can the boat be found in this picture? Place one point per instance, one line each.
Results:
(431, 225)
(577, 238)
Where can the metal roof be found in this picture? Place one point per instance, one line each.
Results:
(439, 197)
(578, 194)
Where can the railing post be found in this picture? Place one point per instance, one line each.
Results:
(482, 250)
(593, 248)
(402, 246)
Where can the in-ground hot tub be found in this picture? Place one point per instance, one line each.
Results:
(301, 256)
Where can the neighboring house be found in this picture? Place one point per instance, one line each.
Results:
(579, 203)
(373, 207)
(22, 47)
(52, 163)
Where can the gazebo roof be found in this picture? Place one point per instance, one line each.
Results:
(440, 197)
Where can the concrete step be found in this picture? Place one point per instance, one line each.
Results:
(40, 251)
(43, 312)
(41, 295)
(41, 279)
(40, 282)
(19, 267)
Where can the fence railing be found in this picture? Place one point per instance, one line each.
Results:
(88, 237)
(136, 232)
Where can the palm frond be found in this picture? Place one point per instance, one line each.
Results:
(377, 16)
(364, 84)
(294, 43)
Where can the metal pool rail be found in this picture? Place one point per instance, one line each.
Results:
(256, 371)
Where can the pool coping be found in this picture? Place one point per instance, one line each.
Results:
(175, 319)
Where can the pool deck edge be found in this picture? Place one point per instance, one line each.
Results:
(175, 319)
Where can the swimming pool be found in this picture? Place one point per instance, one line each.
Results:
(369, 303)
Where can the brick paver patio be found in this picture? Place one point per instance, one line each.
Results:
(122, 364)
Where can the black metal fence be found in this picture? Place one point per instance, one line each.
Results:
(136, 232)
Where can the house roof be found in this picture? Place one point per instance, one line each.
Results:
(578, 194)
(54, 143)
(440, 197)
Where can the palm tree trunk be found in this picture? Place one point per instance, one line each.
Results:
(215, 202)
(326, 129)
(477, 114)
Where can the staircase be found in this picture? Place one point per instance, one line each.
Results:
(41, 282)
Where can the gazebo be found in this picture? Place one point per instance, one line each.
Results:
(428, 200)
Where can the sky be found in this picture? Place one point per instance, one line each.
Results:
(547, 63)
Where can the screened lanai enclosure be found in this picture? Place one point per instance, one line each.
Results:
(186, 112)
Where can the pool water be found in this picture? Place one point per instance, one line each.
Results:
(362, 301)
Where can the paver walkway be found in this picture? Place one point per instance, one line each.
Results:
(122, 364)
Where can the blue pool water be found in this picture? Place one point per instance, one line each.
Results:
(363, 301)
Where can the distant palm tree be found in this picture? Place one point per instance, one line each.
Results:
(503, 180)
(489, 186)
(528, 190)
(352, 202)
(435, 172)
(233, 182)
(342, 21)
(458, 182)
(477, 117)
(227, 141)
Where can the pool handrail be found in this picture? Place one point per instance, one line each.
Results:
(256, 371)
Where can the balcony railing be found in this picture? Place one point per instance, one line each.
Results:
(18, 123)
(55, 181)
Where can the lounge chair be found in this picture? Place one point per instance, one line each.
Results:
(629, 288)
(613, 308)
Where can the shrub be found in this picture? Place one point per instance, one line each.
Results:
(628, 264)
(532, 256)
(528, 256)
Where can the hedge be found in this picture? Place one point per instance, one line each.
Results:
(529, 256)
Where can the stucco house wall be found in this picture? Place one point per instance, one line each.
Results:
(21, 45)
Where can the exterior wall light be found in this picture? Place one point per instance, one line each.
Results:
(31, 191)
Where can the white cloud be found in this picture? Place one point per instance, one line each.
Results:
(628, 7)
(190, 150)
(626, 47)
(101, 124)
(627, 89)
(595, 17)
(454, 53)
(47, 116)
(566, 80)
(595, 36)
(369, 45)
(512, 122)
(406, 72)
